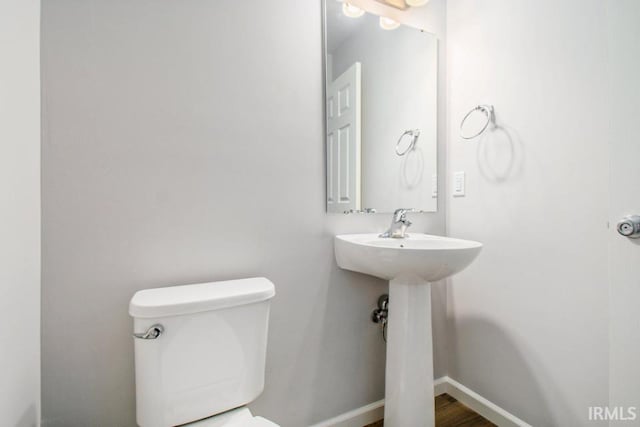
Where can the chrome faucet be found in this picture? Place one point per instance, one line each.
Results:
(399, 224)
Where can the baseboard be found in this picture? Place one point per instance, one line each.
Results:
(482, 406)
(358, 417)
(440, 386)
(375, 411)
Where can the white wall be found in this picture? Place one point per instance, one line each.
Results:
(399, 92)
(20, 212)
(528, 320)
(182, 143)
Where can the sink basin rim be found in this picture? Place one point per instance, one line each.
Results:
(423, 256)
(371, 239)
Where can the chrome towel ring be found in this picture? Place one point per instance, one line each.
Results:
(487, 110)
(414, 134)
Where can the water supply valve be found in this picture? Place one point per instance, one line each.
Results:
(381, 313)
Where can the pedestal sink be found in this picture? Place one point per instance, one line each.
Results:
(410, 265)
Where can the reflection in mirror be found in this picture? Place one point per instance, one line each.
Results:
(381, 106)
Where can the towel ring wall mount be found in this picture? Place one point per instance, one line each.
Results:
(487, 110)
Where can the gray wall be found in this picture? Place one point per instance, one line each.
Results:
(529, 319)
(20, 213)
(183, 143)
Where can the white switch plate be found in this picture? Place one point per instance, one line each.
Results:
(434, 186)
(458, 184)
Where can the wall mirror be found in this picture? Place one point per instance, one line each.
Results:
(381, 114)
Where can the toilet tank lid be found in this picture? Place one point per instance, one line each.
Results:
(188, 299)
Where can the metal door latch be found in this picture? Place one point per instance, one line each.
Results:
(629, 226)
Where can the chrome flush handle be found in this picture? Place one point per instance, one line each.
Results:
(151, 334)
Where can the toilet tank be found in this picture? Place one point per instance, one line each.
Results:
(210, 356)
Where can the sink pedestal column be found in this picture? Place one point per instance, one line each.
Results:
(409, 394)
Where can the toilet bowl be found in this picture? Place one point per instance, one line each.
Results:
(200, 353)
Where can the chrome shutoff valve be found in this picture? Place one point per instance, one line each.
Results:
(380, 314)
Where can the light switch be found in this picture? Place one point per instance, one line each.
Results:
(434, 186)
(458, 184)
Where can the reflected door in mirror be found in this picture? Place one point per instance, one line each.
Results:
(343, 141)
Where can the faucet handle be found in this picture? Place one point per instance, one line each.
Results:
(401, 214)
(399, 224)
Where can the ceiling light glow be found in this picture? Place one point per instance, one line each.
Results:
(388, 23)
(351, 11)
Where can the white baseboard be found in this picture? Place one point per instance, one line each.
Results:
(440, 386)
(482, 406)
(358, 417)
(375, 411)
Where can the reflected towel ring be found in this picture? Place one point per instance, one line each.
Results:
(487, 110)
(414, 133)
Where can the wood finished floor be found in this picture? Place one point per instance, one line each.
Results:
(451, 413)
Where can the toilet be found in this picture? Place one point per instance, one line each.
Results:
(200, 353)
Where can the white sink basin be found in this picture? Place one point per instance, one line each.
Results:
(410, 264)
(430, 258)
